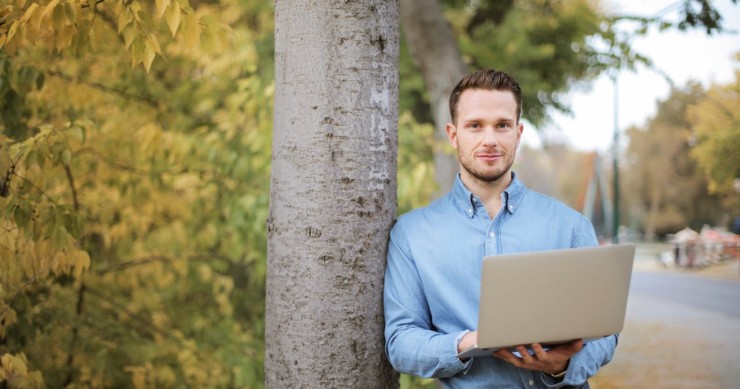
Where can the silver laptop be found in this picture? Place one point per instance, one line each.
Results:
(552, 297)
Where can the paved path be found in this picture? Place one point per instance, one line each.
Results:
(682, 329)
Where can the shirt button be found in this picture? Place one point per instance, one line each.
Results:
(531, 382)
(492, 235)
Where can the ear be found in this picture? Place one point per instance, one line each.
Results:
(452, 135)
(519, 130)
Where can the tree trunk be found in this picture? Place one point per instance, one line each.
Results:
(435, 51)
(333, 193)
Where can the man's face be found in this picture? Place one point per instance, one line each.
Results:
(486, 133)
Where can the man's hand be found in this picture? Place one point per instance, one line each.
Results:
(552, 361)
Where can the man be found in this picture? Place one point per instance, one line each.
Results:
(435, 253)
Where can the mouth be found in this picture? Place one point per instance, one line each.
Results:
(489, 157)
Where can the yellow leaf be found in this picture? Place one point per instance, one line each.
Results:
(15, 365)
(13, 28)
(149, 54)
(124, 18)
(191, 30)
(70, 11)
(173, 18)
(59, 19)
(29, 13)
(151, 40)
(50, 7)
(137, 51)
(82, 262)
(128, 33)
(36, 17)
(64, 37)
(161, 7)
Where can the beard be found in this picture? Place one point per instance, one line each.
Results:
(490, 175)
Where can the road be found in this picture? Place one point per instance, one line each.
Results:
(681, 331)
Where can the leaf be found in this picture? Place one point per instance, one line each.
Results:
(66, 156)
(149, 54)
(59, 236)
(36, 20)
(29, 13)
(128, 34)
(70, 11)
(64, 37)
(161, 7)
(191, 31)
(81, 263)
(125, 17)
(31, 158)
(77, 133)
(173, 18)
(58, 17)
(137, 50)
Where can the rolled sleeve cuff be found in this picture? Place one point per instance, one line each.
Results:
(450, 363)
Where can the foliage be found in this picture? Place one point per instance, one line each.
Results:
(663, 187)
(522, 43)
(415, 166)
(133, 198)
(716, 124)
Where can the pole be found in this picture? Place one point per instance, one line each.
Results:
(615, 226)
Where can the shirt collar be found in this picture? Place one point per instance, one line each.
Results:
(467, 202)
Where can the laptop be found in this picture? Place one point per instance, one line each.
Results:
(552, 297)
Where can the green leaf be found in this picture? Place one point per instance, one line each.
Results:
(66, 156)
(31, 158)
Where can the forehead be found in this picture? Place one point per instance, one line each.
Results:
(477, 102)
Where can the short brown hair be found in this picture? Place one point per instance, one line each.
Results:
(489, 79)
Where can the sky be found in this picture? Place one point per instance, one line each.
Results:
(684, 56)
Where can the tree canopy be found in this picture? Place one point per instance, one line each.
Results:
(715, 121)
(135, 163)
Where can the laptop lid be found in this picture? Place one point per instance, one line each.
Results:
(553, 296)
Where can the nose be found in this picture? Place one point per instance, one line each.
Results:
(489, 136)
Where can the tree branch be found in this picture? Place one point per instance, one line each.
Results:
(72, 187)
(24, 286)
(160, 258)
(147, 100)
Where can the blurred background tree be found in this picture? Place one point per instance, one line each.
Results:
(715, 124)
(667, 189)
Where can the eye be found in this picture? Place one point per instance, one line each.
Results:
(504, 125)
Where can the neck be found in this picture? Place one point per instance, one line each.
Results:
(489, 192)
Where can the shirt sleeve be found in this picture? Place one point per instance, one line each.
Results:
(411, 343)
(584, 234)
(586, 363)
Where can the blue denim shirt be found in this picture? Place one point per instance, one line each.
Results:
(432, 284)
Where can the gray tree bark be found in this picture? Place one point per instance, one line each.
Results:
(333, 193)
(434, 49)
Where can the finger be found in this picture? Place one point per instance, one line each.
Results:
(525, 355)
(578, 345)
(574, 346)
(507, 356)
(539, 352)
